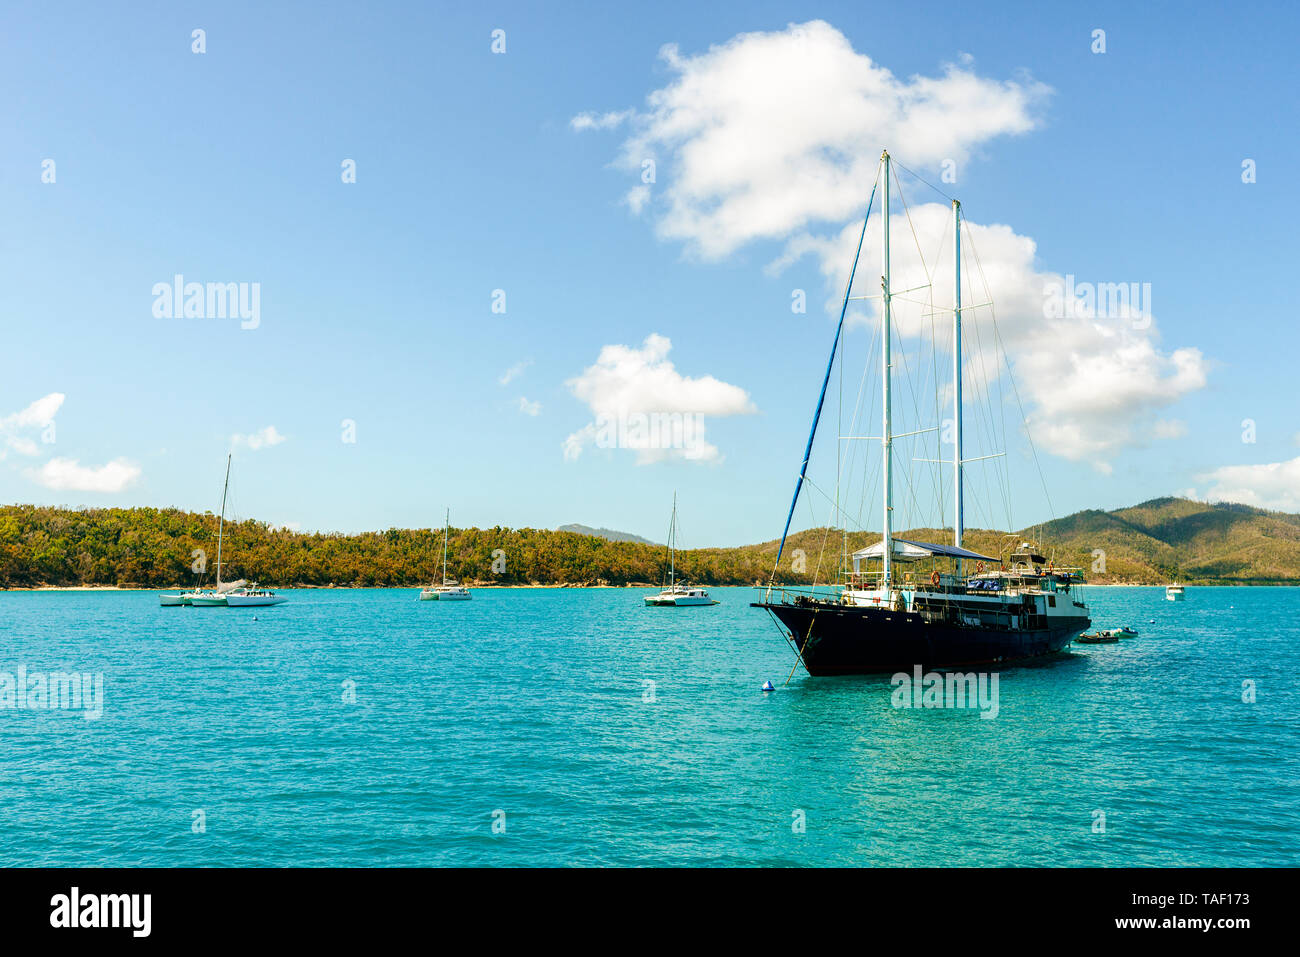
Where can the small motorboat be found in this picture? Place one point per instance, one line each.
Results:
(1122, 632)
(1097, 638)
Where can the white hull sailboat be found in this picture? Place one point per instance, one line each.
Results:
(449, 590)
(677, 594)
(236, 594)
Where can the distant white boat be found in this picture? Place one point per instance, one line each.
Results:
(252, 596)
(1174, 593)
(677, 594)
(449, 590)
(236, 594)
(681, 595)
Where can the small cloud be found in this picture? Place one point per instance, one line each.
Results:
(70, 475)
(636, 199)
(642, 403)
(514, 372)
(529, 408)
(1275, 485)
(39, 415)
(599, 121)
(262, 439)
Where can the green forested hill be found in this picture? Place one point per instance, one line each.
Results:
(1149, 543)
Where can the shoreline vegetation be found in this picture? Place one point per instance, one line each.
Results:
(55, 548)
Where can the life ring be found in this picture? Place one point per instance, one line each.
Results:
(934, 578)
(979, 567)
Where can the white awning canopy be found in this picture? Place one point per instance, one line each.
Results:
(906, 551)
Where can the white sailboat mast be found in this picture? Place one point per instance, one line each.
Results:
(959, 519)
(221, 523)
(672, 545)
(886, 438)
(446, 527)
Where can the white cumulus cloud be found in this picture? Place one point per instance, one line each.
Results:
(529, 408)
(770, 132)
(1094, 382)
(39, 415)
(1275, 485)
(641, 402)
(70, 475)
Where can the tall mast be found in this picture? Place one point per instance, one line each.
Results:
(672, 545)
(446, 527)
(886, 438)
(221, 523)
(958, 516)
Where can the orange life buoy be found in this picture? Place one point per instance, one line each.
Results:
(979, 567)
(934, 578)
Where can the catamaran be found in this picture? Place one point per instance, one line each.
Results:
(885, 621)
(236, 594)
(677, 594)
(449, 590)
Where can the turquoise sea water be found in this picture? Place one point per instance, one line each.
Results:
(533, 702)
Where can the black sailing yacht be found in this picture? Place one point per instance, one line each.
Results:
(1007, 611)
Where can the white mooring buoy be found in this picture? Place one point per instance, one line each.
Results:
(767, 686)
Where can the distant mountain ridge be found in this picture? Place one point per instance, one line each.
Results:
(1152, 543)
(608, 534)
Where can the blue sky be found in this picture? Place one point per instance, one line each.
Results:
(376, 296)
